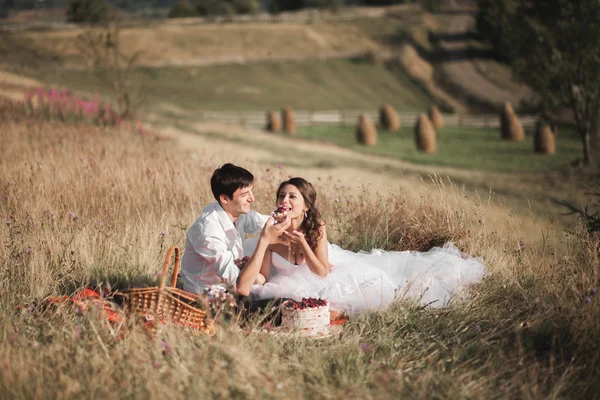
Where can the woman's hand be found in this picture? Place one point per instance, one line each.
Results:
(296, 237)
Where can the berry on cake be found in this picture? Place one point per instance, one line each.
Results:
(279, 213)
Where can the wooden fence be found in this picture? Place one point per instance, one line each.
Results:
(257, 119)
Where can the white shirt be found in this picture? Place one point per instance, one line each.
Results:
(212, 244)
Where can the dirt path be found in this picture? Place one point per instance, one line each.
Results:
(461, 70)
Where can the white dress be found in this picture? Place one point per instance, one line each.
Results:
(371, 281)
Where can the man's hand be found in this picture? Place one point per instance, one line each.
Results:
(241, 262)
(273, 232)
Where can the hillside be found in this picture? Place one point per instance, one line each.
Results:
(316, 85)
(318, 65)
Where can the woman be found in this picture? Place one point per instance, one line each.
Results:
(308, 266)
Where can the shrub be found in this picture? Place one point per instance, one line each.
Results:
(289, 125)
(543, 141)
(383, 2)
(182, 9)
(87, 11)
(53, 104)
(277, 6)
(331, 4)
(436, 117)
(223, 8)
(246, 6)
(388, 118)
(273, 122)
(493, 22)
(510, 126)
(373, 57)
(113, 66)
(365, 131)
(215, 7)
(425, 135)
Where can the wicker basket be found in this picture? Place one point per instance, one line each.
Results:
(167, 303)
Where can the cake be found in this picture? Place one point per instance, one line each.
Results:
(279, 214)
(309, 317)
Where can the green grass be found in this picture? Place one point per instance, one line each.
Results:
(316, 85)
(480, 149)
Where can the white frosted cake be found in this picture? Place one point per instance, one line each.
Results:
(309, 317)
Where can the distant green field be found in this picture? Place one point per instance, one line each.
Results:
(481, 149)
(313, 85)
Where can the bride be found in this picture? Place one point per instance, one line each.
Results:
(309, 266)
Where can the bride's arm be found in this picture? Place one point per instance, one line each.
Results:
(317, 260)
(265, 268)
(260, 279)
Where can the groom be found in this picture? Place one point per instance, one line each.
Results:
(215, 242)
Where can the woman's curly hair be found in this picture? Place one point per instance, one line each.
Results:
(312, 223)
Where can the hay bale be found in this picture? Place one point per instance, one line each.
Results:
(510, 126)
(435, 116)
(365, 131)
(543, 140)
(388, 118)
(425, 134)
(289, 125)
(595, 136)
(555, 128)
(273, 122)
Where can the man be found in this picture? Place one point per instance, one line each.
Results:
(215, 242)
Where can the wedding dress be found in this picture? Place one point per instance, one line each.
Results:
(370, 281)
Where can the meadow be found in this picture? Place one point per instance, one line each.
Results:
(468, 148)
(85, 205)
(312, 85)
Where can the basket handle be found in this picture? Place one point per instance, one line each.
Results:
(165, 270)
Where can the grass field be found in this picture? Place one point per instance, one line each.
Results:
(313, 85)
(82, 204)
(479, 149)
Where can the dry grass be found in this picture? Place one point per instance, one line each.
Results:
(82, 204)
(164, 44)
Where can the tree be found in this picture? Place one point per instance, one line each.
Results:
(385, 2)
(5, 7)
(495, 23)
(103, 53)
(87, 11)
(323, 4)
(182, 9)
(215, 7)
(556, 51)
(246, 6)
(277, 6)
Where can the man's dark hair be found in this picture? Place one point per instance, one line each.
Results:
(229, 178)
